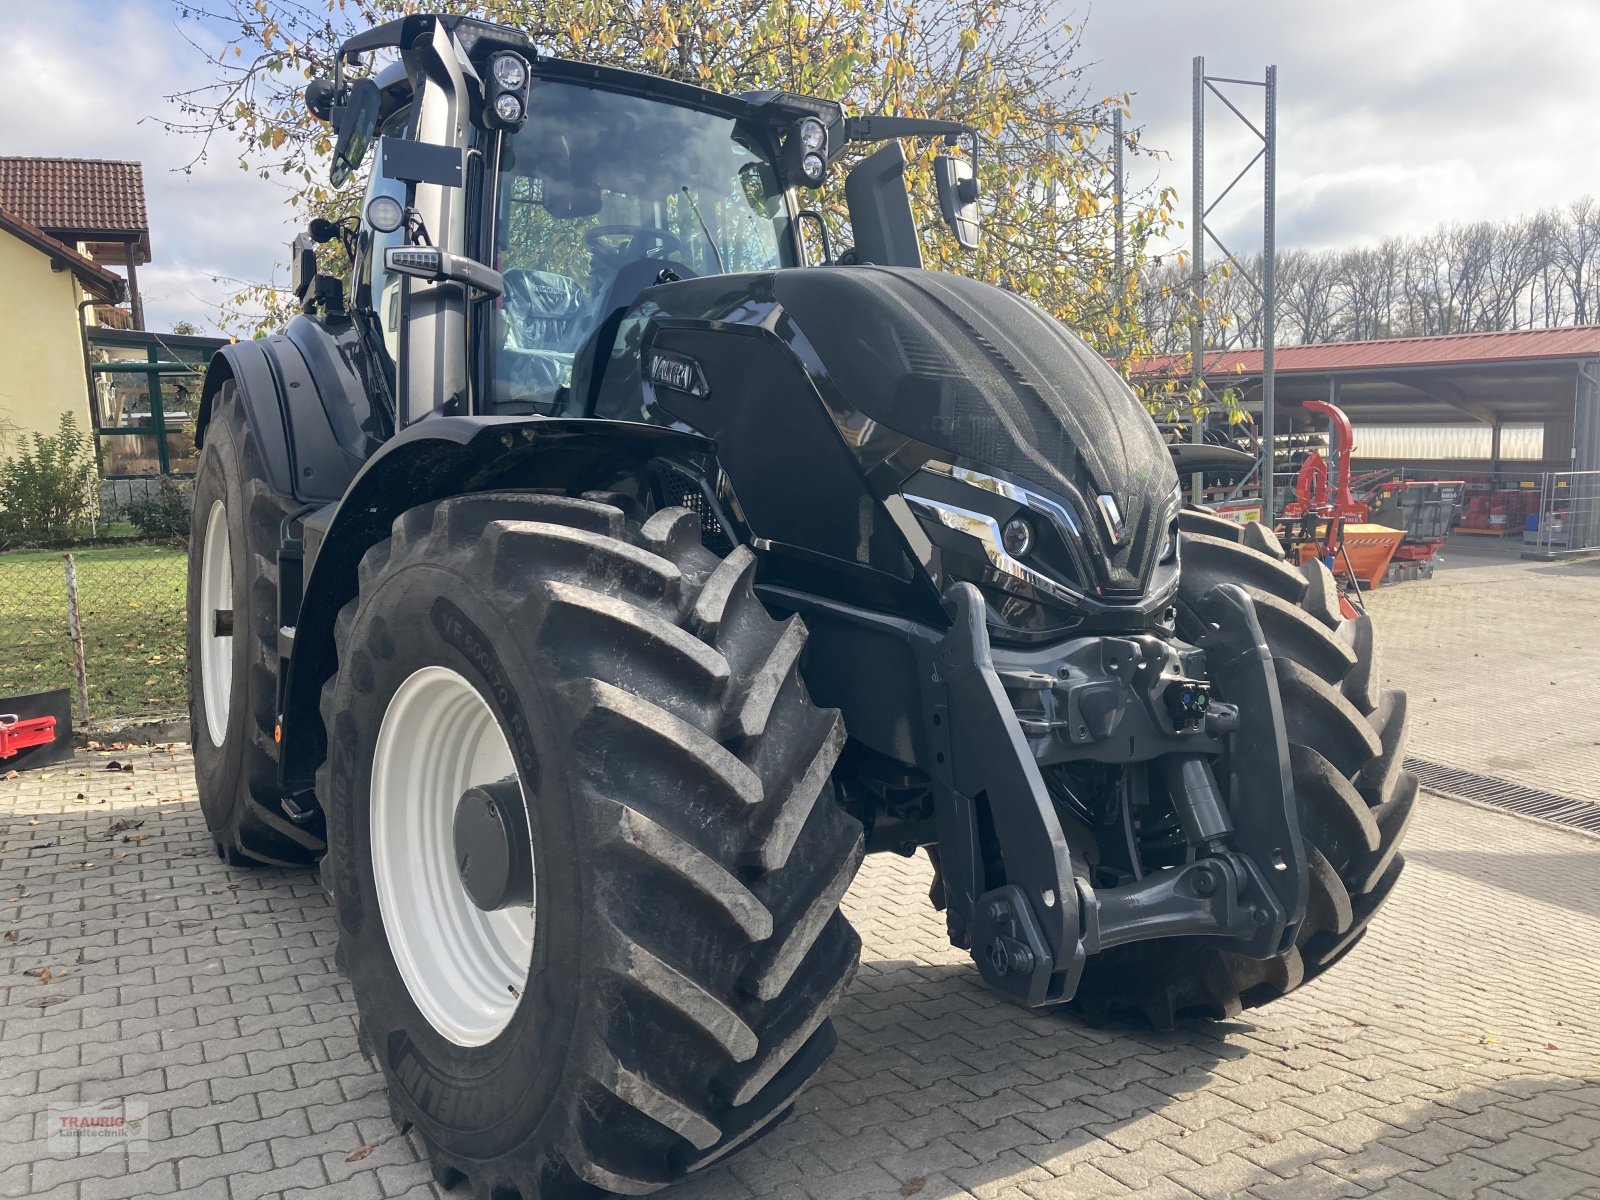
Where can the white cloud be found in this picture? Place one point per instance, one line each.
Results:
(89, 80)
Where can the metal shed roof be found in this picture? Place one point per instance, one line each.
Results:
(1463, 349)
(1546, 376)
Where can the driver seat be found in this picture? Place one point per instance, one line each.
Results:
(543, 310)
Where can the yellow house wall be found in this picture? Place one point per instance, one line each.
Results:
(41, 351)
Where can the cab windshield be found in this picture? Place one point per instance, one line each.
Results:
(598, 196)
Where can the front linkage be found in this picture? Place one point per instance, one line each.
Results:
(1005, 863)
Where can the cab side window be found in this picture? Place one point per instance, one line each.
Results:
(380, 289)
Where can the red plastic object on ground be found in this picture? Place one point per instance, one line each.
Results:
(17, 735)
(35, 730)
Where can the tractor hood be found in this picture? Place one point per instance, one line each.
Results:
(912, 369)
(982, 375)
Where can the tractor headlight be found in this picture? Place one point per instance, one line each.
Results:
(805, 153)
(385, 214)
(508, 107)
(505, 92)
(1016, 535)
(813, 136)
(1032, 553)
(509, 71)
(1020, 547)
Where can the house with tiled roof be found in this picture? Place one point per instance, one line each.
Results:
(64, 223)
(95, 205)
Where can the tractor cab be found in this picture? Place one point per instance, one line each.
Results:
(606, 194)
(572, 188)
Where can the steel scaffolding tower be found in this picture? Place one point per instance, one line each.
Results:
(1268, 287)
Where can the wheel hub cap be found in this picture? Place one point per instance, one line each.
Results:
(494, 854)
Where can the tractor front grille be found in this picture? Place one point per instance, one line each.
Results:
(682, 490)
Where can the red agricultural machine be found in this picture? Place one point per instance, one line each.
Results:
(1360, 525)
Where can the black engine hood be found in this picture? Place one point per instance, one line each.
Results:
(982, 375)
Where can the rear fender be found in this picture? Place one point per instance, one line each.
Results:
(433, 459)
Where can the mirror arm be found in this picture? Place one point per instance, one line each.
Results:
(882, 129)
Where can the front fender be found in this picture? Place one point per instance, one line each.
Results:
(307, 402)
(433, 459)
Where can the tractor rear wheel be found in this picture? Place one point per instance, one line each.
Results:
(1347, 740)
(233, 646)
(583, 849)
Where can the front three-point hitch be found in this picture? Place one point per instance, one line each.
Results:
(1019, 888)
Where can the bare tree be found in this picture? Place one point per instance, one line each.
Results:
(1574, 249)
(1368, 281)
(1308, 299)
(1537, 271)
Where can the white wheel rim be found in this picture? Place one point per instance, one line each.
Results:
(216, 651)
(465, 968)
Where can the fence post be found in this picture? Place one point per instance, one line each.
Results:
(1542, 537)
(75, 630)
(91, 496)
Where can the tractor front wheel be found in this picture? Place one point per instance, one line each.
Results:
(584, 854)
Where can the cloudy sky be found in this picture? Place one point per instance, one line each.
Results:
(1393, 117)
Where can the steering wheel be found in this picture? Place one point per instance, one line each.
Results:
(641, 240)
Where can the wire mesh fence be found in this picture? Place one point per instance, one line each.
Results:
(130, 602)
(1569, 517)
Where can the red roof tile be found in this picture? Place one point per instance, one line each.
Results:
(1576, 341)
(76, 195)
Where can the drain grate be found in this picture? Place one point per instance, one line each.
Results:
(1486, 789)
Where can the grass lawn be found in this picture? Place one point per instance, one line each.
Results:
(131, 609)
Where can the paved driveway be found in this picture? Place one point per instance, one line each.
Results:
(1457, 1053)
(1502, 661)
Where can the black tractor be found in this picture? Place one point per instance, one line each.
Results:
(596, 573)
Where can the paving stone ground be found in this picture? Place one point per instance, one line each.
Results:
(1456, 1053)
(1502, 661)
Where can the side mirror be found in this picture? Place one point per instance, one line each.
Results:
(440, 266)
(358, 121)
(958, 198)
(303, 253)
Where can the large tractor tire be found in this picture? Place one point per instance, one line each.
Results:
(1347, 741)
(583, 848)
(233, 646)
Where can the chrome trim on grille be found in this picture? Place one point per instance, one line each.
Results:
(1011, 491)
(985, 530)
(1116, 527)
